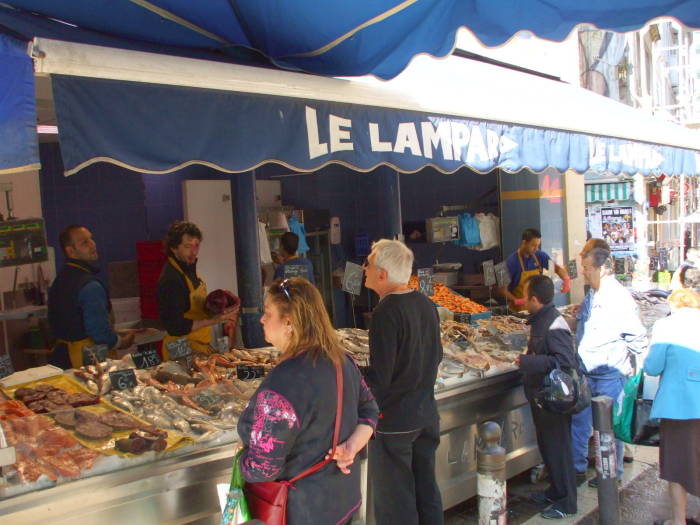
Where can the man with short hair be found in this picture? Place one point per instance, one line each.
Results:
(583, 311)
(550, 346)
(182, 292)
(292, 264)
(405, 351)
(692, 259)
(78, 306)
(529, 260)
(613, 340)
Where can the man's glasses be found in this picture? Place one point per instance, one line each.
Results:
(284, 286)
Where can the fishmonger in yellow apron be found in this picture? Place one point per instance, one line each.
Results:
(199, 340)
(519, 290)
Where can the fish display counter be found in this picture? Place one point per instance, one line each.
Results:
(113, 442)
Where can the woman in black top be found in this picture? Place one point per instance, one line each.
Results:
(288, 424)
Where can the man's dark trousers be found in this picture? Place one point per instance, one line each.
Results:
(402, 476)
(554, 441)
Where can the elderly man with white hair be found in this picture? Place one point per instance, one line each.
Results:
(405, 351)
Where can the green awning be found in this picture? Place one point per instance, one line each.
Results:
(617, 191)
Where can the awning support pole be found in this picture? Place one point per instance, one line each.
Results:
(245, 222)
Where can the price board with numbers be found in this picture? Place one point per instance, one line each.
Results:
(146, 356)
(248, 372)
(179, 349)
(425, 281)
(123, 379)
(94, 354)
(572, 268)
(489, 273)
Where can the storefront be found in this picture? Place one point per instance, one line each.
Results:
(157, 115)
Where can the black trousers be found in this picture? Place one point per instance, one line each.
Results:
(402, 477)
(554, 440)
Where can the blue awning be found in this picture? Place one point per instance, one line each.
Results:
(332, 37)
(158, 129)
(18, 139)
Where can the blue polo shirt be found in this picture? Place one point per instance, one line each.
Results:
(515, 271)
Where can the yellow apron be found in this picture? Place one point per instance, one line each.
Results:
(75, 348)
(199, 340)
(519, 290)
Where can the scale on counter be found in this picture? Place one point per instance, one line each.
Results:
(442, 229)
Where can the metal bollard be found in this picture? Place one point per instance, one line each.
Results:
(491, 475)
(605, 460)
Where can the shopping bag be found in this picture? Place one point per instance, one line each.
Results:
(631, 415)
(623, 409)
(235, 510)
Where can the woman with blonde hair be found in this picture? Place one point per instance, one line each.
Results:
(288, 424)
(675, 355)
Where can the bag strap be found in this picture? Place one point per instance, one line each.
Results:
(336, 429)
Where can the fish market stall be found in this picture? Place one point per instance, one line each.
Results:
(154, 448)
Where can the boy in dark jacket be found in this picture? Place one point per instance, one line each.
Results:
(550, 345)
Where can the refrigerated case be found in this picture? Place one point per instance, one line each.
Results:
(181, 487)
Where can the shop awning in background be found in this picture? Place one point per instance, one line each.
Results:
(18, 140)
(618, 191)
(447, 114)
(332, 37)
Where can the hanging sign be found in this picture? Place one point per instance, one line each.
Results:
(352, 278)
(296, 270)
(572, 268)
(489, 273)
(502, 274)
(123, 379)
(179, 349)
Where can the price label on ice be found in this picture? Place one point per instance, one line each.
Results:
(146, 356)
(179, 349)
(123, 379)
(94, 354)
(248, 372)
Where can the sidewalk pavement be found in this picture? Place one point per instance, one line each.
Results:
(644, 498)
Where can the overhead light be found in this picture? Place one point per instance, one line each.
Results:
(47, 130)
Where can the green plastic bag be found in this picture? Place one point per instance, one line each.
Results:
(623, 409)
(236, 509)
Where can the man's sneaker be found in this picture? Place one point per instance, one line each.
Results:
(539, 498)
(581, 478)
(594, 482)
(553, 513)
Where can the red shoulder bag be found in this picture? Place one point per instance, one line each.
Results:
(267, 500)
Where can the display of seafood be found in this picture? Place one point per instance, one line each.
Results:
(356, 343)
(42, 448)
(445, 297)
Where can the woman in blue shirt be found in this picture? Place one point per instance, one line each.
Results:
(675, 355)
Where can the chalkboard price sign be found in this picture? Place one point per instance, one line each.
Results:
(489, 273)
(179, 349)
(425, 281)
(352, 278)
(248, 372)
(296, 270)
(572, 268)
(6, 367)
(146, 356)
(502, 274)
(123, 379)
(94, 353)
